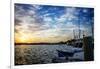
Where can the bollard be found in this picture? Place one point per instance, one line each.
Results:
(88, 47)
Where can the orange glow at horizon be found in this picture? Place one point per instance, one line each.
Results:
(23, 38)
(49, 36)
(31, 38)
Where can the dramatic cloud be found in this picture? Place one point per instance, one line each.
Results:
(43, 23)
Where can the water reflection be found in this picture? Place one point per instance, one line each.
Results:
(38, 54)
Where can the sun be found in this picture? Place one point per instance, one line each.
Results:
(23, 38)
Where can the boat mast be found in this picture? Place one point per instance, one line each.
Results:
(79, 27)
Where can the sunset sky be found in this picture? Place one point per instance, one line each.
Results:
(44, 23)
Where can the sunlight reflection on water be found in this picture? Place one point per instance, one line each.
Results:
(38, 54)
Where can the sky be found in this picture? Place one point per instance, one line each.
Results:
(46, 23)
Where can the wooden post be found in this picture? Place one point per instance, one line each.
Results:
(88, 47)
